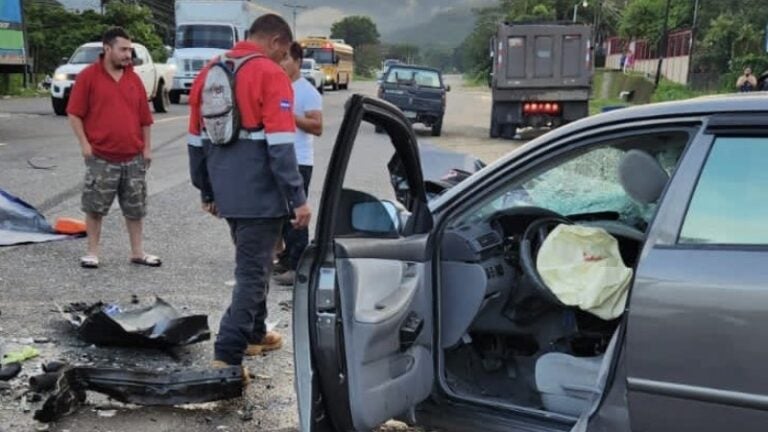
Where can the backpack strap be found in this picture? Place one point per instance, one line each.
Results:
(238, 62)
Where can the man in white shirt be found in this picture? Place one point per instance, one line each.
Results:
(308, 110)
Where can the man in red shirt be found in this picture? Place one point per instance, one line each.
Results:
(253, 183)
(109, 113)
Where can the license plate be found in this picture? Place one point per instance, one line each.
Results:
(410, 114)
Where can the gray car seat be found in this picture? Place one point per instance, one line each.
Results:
(569, 385)
(642, 177)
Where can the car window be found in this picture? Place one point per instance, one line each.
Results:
(86, 55)
(729, 204)
(422, 78)
(587, 182)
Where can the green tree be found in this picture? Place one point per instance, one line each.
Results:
(404, 52)
(137, 21)
(644, 19)
(362, 34)
(356, 30)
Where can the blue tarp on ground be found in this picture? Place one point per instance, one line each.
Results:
(21, 223)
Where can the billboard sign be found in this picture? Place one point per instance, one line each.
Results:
(12, 48)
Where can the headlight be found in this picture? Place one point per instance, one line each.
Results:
(328, 77)
(60, 77)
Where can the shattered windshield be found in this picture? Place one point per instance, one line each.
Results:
(586, 184)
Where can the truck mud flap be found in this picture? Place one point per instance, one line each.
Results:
(156, 326)
(140, 387)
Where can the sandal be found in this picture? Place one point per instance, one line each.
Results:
(89, 262)
(147, 260)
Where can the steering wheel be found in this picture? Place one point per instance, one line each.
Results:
(530, 244)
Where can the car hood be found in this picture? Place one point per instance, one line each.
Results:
(441, 169)
(71, 69)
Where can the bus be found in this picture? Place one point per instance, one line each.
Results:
(335, 58)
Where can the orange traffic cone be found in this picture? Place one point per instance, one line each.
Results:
(69, 226)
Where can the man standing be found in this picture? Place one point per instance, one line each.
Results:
(109, 114)
(308, 111)
(252, 183)
(746, 82)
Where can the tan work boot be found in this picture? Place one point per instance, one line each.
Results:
(272, 341)
(218, 364)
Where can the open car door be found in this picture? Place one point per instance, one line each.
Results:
(363, 301)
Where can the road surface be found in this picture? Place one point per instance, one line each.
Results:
(198, 259)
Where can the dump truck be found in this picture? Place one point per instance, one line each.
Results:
(541, 75)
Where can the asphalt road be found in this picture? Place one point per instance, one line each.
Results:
(40, 162)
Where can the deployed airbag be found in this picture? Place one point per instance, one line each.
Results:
(582, 267)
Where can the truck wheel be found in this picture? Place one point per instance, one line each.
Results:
(162, 101)
(494, 133)
(174, 97)
(437, 128)
(508, 131)
(59, 106)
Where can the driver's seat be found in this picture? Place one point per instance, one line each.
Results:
(642, 177)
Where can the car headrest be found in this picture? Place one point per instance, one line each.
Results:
(642, 177)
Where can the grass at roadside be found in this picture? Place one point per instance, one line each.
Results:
(12, 85)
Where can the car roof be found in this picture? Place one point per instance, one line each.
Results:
(734, 104)
(409, 66)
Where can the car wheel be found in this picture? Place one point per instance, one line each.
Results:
(335, 85)
(174, 97)
(437, 128)
(162, 101)
(321, 89)
(59, 106)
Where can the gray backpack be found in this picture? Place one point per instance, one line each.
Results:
(218, 106)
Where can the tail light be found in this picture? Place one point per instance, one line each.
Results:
(549, 108)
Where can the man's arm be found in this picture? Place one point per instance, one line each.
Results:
(280, 127)
(77, 109)
(146, 132)
(311, 122)
(740, 81)
(77, 126)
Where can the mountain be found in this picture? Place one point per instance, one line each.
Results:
(446, 29)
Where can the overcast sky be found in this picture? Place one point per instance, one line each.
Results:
(389, 15)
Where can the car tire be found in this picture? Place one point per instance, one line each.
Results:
(495, 131)
(321, 89)
(335, 85)
(437, 127)
(162, 101)
(59, 105)
(174, 97)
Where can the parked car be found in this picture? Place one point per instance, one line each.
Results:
(155, 76)
(418, 91)
(313, 73)
(436, 311)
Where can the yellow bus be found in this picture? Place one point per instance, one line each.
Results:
(335, 58)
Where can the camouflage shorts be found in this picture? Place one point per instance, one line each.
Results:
(105, 180)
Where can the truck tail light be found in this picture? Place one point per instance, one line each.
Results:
(541, 108)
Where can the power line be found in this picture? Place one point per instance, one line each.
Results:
(295, 8)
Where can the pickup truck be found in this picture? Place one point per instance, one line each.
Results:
(419, 92)
(312, 72)
(155, 76)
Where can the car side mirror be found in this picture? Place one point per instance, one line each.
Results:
(64, 60)
(376, 217)
(448, 88)
(137, 61)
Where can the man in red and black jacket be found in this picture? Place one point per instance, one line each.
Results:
(254, 183)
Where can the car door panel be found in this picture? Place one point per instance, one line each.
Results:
(365, 298)
(695, 359)
(377, 296)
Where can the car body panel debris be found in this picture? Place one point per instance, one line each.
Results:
(141, 388)
(156, 326)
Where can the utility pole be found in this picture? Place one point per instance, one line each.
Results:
(662, 44)
(694, 34)
(295, 8)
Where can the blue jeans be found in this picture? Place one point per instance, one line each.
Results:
(296, 240)
(244, 321)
